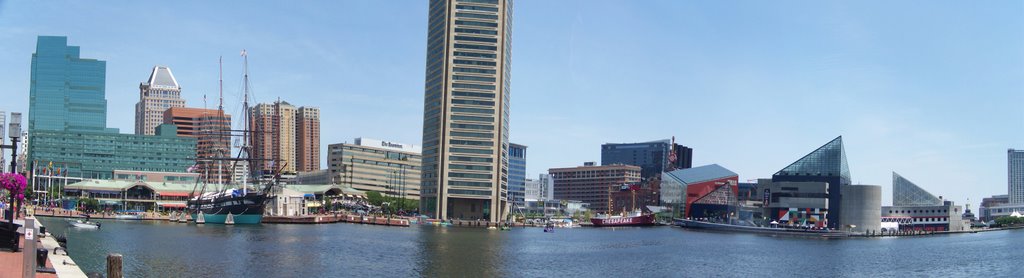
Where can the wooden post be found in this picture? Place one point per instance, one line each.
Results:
(114, 266)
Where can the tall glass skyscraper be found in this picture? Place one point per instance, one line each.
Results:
(517, 174)
(68, 121)
(67, 91)
(1015, 179)
(466, 110)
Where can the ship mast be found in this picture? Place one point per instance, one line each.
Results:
(245, 134)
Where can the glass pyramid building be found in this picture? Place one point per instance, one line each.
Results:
(828, 160)
(906, 193)
(825, 164)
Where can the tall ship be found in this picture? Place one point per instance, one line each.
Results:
(238, 203)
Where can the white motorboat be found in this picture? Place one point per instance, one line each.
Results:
(84, 224)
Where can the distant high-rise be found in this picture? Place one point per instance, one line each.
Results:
(466, 110)
(67, 92)
(307, 139)
(1015, 177)
(159, 93)
(212, 130)
(653, 157)
(517, 174)
(286, 137)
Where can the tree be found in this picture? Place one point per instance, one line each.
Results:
(1009, 221)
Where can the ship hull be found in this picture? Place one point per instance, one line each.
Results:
(244, 210)
(643, 220)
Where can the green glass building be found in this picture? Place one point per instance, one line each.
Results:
(68, 115)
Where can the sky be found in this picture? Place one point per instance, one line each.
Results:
(931, 90)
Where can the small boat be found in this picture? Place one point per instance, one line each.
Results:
(128, 217)
(85, 224)
(549, 228)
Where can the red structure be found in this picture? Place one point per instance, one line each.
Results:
(712, 195)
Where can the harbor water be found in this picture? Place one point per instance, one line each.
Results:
(162, 249)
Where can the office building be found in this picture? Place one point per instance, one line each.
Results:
(532, 190)
(288, 137)
(906, 193)
(67, 120)
(547, 189)
(517, 174)
(159, 93)
(466, 110)
(1015, 177)
(307, 139)
(67, 92)
(391, 168)
(592, 184)
(989, 205)
(95, 155)
(826, 164)
(212, 130)
(699, 192)
(653, 157)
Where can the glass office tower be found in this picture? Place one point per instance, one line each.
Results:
(466, 110)
(517, 175)
(68, 121)
(67, 91)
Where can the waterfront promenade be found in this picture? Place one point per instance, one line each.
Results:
(11, 263)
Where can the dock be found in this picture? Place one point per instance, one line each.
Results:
(57, 258)
(346, 218)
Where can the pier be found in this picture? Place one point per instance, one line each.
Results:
(58, 263)
(346, 218)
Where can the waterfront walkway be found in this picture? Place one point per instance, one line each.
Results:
(11, 262)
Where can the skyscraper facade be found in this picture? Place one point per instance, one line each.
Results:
(212, 130)
(466, 110)
(274, 137)
(1015, 177)
(286, 137)
(517, 174)
(307, 139)
(159, 93)
(67, 92)
(653, 157)
(67, 121)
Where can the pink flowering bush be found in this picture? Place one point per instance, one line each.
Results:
(14, 183)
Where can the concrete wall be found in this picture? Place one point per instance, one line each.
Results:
(862, 207)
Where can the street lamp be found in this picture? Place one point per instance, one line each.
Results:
(15, 134)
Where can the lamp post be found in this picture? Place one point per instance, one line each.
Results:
(15, 133)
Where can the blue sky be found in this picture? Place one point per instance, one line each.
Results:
(931, 90)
